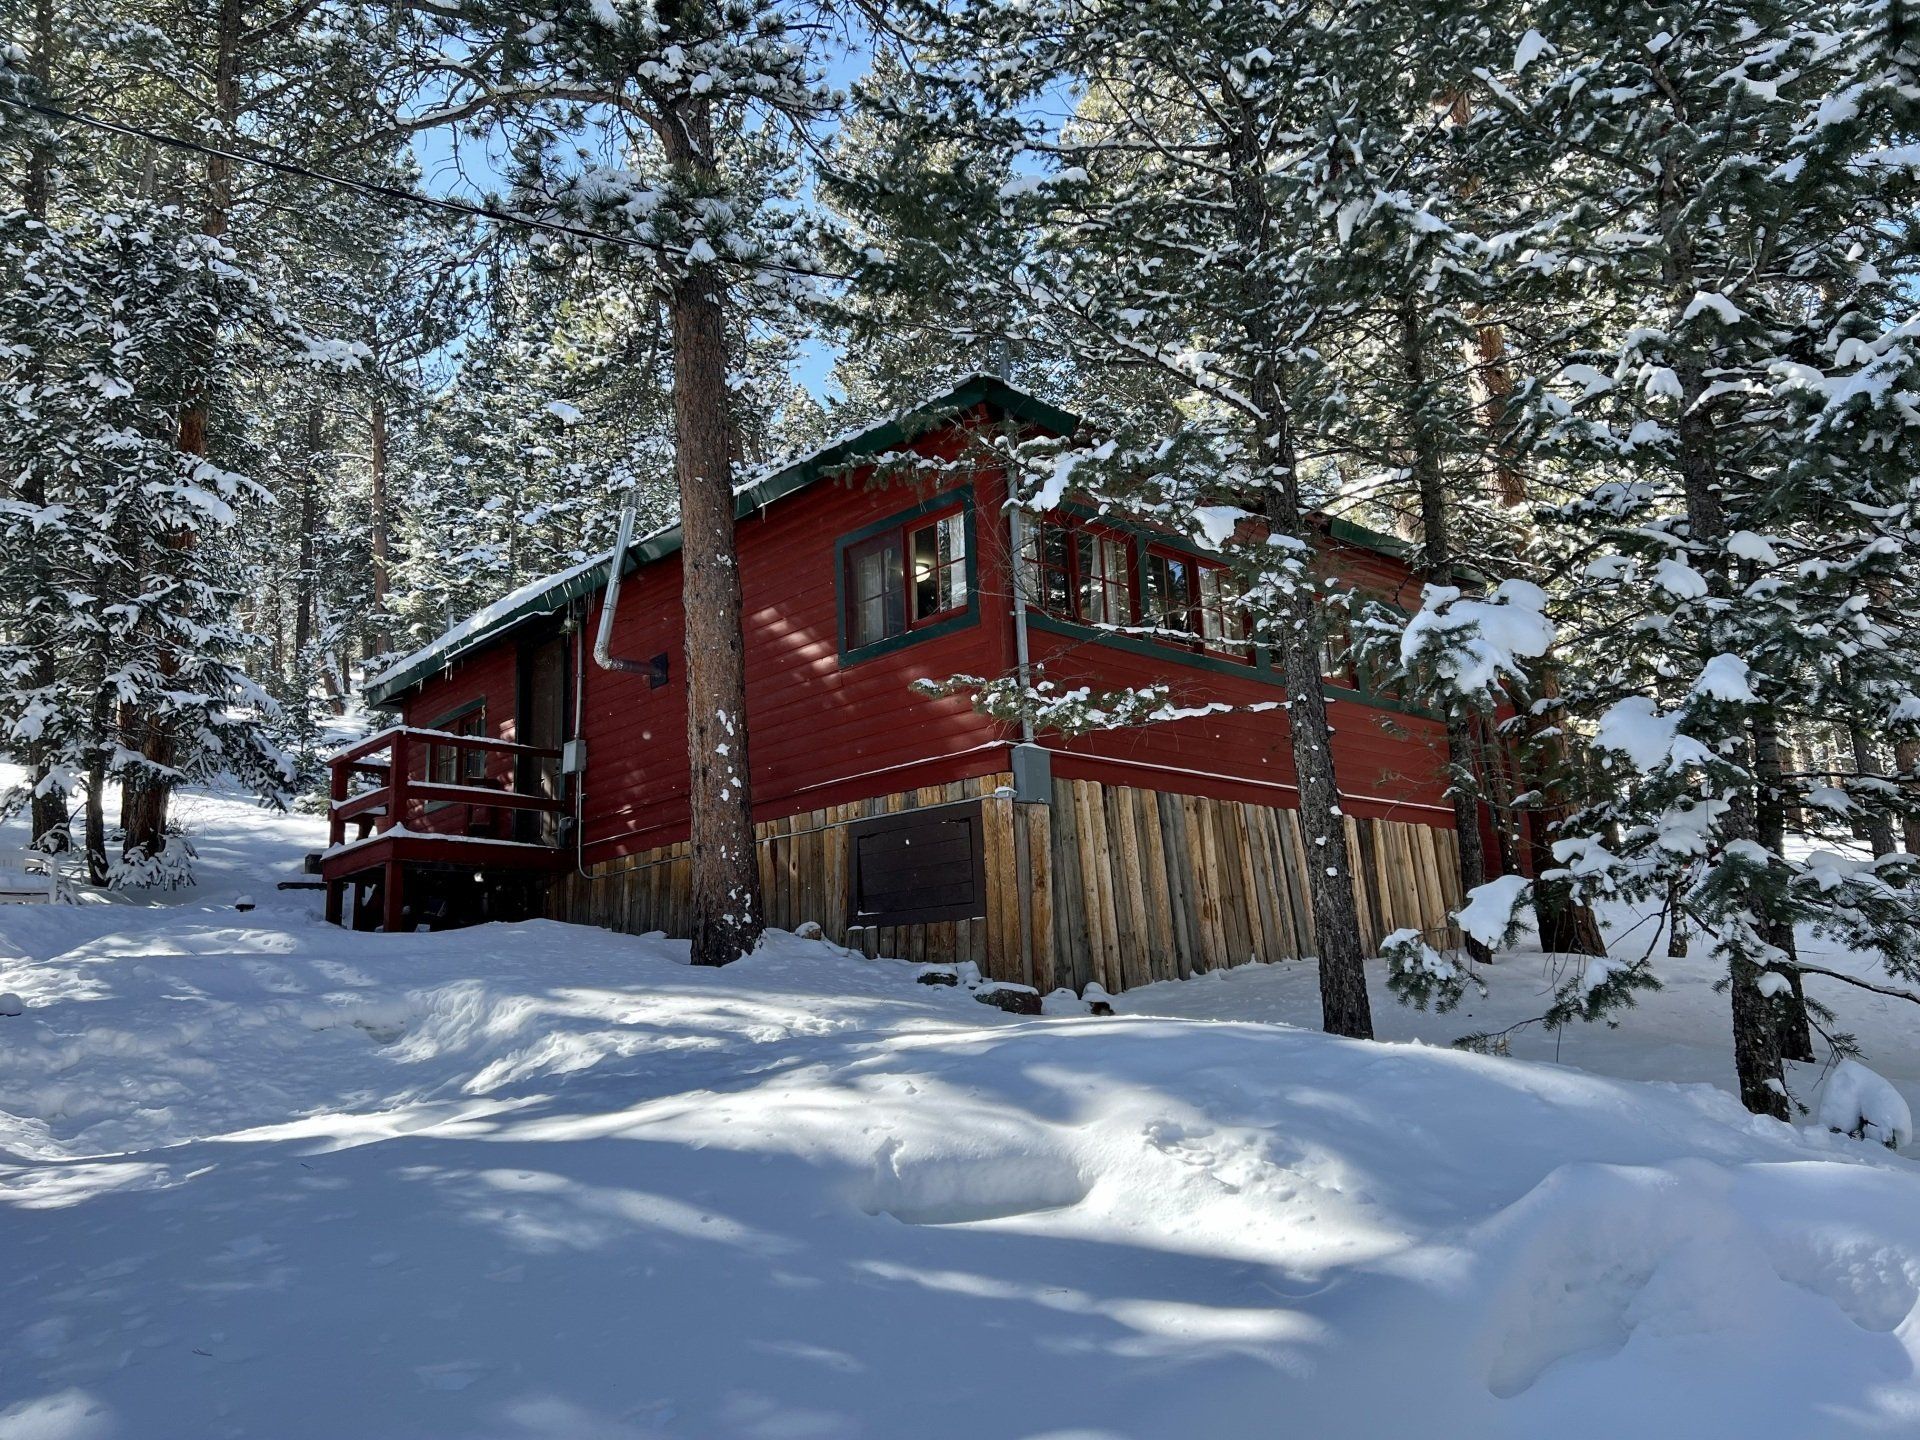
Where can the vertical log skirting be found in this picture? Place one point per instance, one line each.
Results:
(1108, 883)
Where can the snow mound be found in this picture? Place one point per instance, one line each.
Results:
(1856, 1101)
(536, 1180)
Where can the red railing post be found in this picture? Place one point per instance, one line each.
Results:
(338, 773)
(397, 779)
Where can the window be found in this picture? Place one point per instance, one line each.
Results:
(939, 551)
(1078, 574)
(1106, 588)
(1166, 602)
(905, 574)
(876, 602)
(1223, 615)
(1049, 569)
(1336, 652)
(453, 766)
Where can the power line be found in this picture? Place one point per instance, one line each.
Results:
(387, 192)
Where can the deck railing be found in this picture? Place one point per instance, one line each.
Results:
(403, 798)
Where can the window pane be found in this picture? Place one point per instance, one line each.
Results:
(476, 760)
(1036, 538)
(1336, 656)
(1116, 579)
(1223, 619)
(1105, 597)
(1053, 591)
(1167, 604)
(939, 566)
(1092, 604)
(875, 604)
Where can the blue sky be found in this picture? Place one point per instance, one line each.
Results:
(468, 168)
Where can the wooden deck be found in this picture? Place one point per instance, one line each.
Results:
(413, 820)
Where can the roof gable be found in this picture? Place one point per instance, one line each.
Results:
(555, 592)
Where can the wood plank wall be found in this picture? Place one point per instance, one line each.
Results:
(803, 876)
(1143, 885)
(1109, 883)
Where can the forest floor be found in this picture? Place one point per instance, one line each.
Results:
(260, 1177)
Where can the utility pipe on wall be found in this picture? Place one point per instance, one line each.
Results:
(603, 655)
(1016, 537)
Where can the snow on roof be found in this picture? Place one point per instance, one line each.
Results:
(483, 619)
(761, 487)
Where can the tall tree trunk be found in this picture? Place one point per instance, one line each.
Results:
(1906, 761)
(1566, 926)
(1878, 823)
(727, 914)
(1756, 1044)
(377, 519)
(143, 806)
(305, 576)
(1496, 377)
(48, 812)
(1437, 553)
(1795, 1034)
(1794, 762)
(1677, 935)
(96, 818)
(1344, 1007)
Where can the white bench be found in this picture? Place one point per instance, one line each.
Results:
(28, 877)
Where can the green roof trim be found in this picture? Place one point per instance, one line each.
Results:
(1349, 533)
(485, 626)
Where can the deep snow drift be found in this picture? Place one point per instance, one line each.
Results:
(262, 1178)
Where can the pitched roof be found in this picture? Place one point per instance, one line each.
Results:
(554, 592)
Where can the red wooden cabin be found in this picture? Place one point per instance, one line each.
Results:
(522, 773)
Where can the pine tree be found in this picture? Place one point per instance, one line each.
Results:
(1737, 214)
(693, 107)
(109, 316)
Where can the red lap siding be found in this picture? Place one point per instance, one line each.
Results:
(821, 732)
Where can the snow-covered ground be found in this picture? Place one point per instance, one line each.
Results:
(259, 1177)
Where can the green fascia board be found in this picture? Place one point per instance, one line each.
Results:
(995, 394)
(1349, 533)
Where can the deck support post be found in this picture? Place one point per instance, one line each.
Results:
(390, 897)
(336, 901)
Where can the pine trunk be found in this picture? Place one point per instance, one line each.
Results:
(1344, 1007)
(1437, 546)
(96, 819)
(1770, 822)
(1878, 823)
(48, 812)
(1677, 936)
(143, 806)
(377, 520)
(727, 916)
(1756, 1043)
(1566, 926)
(1906, 760)
(304, 577)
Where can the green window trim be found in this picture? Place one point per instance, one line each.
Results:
(1262, 667)
(960, 619)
